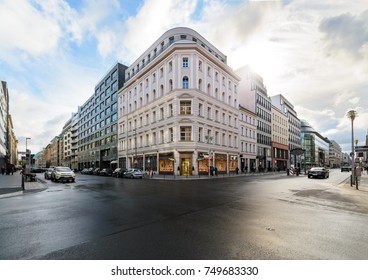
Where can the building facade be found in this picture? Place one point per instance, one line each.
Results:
(65, 144)
(13, 143)
(253, 96)
(178, 110)
(97, 122)
(315, 145)
(294, 128)
(4, 112)
(335, 154)
(248, 139)
(280, 139)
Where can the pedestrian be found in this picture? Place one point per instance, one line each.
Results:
(237, 170)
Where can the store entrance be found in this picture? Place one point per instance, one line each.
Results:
(185, 167)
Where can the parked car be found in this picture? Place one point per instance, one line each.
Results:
(61, 173)
(119, 172)
(48, 173)
(133, 173)
(106, 172)
(85, 171)
(345, 168)
(115, 172)
(96, 171)
(318, 172)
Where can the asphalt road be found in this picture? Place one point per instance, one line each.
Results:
(259, 217)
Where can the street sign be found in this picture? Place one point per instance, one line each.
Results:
(361, 148)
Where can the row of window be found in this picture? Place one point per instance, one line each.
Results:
(140, 101)
(87, 122)
(164, 45)
(248, 148)
(249, 133)
(99, 125)
(109, 140)
(263, 139)
(107, 81)
(265, 115)
(185, 108)
(247, 119)
(185, 135)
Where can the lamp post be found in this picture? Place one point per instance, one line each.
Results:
(209, 141)
(352, 114)
(27, 157)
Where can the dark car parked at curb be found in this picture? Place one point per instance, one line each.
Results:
(96, 171)
(346, 168)
(318, 172)
(119, 172)
(106, 172)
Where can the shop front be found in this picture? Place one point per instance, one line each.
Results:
(166, 164)
(204, 162)
(220, 164)
(185, 167)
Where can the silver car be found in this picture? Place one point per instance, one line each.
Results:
(133, 173)
(48, 172)
(62, 173)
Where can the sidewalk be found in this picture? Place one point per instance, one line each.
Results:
(219, 176)
(11, 185)
(362, 185)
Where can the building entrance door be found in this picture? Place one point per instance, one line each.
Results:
(185, 167)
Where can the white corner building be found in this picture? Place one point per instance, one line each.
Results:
(179, 108)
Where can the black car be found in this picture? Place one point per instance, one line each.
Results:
(106, 172)
(96, 171)
(119, 172)
(318, 172)
(345, 168)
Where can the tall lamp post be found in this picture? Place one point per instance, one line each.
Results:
(209, 141)
(352, 114)
(27, 157)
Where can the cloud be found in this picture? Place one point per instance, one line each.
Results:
(347, 33)
(26, 29)
(153, 18)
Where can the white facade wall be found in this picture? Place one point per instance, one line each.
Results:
(248, 139)
(180, 127)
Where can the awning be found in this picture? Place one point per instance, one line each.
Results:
(114, 162)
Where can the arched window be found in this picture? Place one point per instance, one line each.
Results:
(185, 82)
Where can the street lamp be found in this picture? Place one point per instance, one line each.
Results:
(352, 114)
(27, 157)
(209, 141)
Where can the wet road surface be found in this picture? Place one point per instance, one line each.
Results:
(264, 217)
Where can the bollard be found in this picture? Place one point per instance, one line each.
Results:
(22, 182)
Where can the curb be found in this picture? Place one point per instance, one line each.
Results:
(11, 194)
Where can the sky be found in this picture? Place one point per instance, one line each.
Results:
(315, 53)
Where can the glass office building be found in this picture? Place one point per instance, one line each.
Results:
(315, 145)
